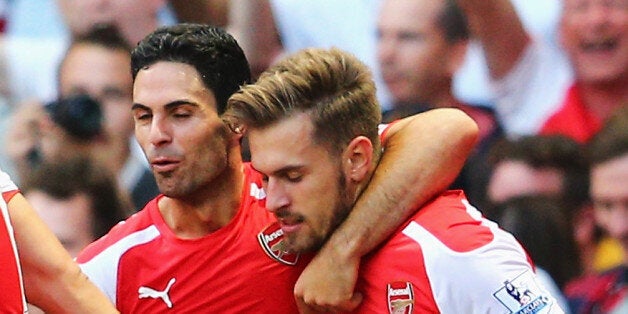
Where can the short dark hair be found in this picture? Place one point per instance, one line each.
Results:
(64, 179)
(453, 22)
(214, 53)
(549, 151)
(106, 35)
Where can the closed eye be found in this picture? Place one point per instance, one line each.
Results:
(293, 176)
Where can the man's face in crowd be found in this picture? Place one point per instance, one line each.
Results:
(305, 185)
(69, 219)
(512, 178)
(414, 55)
(127, 15)
(104, 75)
(178, 128)
(609, 192)
(594, 33)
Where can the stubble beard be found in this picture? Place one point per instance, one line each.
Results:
(314, 242)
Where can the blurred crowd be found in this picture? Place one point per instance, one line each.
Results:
(545, 80)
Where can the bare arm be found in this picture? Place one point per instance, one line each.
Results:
(422, 156)
(52, 280)
(498, 27)
(253, 25)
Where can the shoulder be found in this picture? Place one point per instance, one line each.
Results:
(100, 260)
(452, 221)
(135, 230)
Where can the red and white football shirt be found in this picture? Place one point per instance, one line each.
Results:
(12, 298)
(144, 268)
(448, 259)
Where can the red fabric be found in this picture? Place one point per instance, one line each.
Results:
(9, 195)
(227, 271)
(11, 296)
(600, 293)
(448, 259)
(573, 119)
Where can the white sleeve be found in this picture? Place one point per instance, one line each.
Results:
(546, 280)
(6, 184)
(494, 278)
(532, 90)
(102, 269)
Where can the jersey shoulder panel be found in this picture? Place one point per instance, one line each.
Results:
(464, 252)
(12, 298)
(448, 259)
(100, 260)
(454, 222)
(138, 221)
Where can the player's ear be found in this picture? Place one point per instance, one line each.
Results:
(357, 158)
(236, 129)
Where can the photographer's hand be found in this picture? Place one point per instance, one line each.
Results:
(23, 135)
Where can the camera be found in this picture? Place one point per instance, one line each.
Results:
(80, 115)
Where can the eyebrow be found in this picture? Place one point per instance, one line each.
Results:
(281, 170)
(169, 105)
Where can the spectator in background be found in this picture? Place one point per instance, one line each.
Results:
(60, 130)
(29, 63)
(538, 164)
(533, 95)
(607, 292)
(421, 44)
(552, 166)
(96, 64)
(78, 200)
(542, 225)
(32, 62)
(269, 28)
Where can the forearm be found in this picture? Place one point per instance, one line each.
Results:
(69, 291)
(500, 30)
(422, 156)
(253, 26)
(52, 280)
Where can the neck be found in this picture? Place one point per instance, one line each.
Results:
(209, 208)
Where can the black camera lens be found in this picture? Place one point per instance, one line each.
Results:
(79, 115)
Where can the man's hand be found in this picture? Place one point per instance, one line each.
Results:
(327, 283)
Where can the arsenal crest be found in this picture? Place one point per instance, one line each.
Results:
(271, 240)
(400, 297)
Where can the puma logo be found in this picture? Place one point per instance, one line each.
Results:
(146, 292)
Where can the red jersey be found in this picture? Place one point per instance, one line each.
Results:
(12, 298)
(144, 268)
(448, 259)
(573, 119)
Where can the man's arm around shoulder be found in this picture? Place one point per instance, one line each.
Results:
(423, 154)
